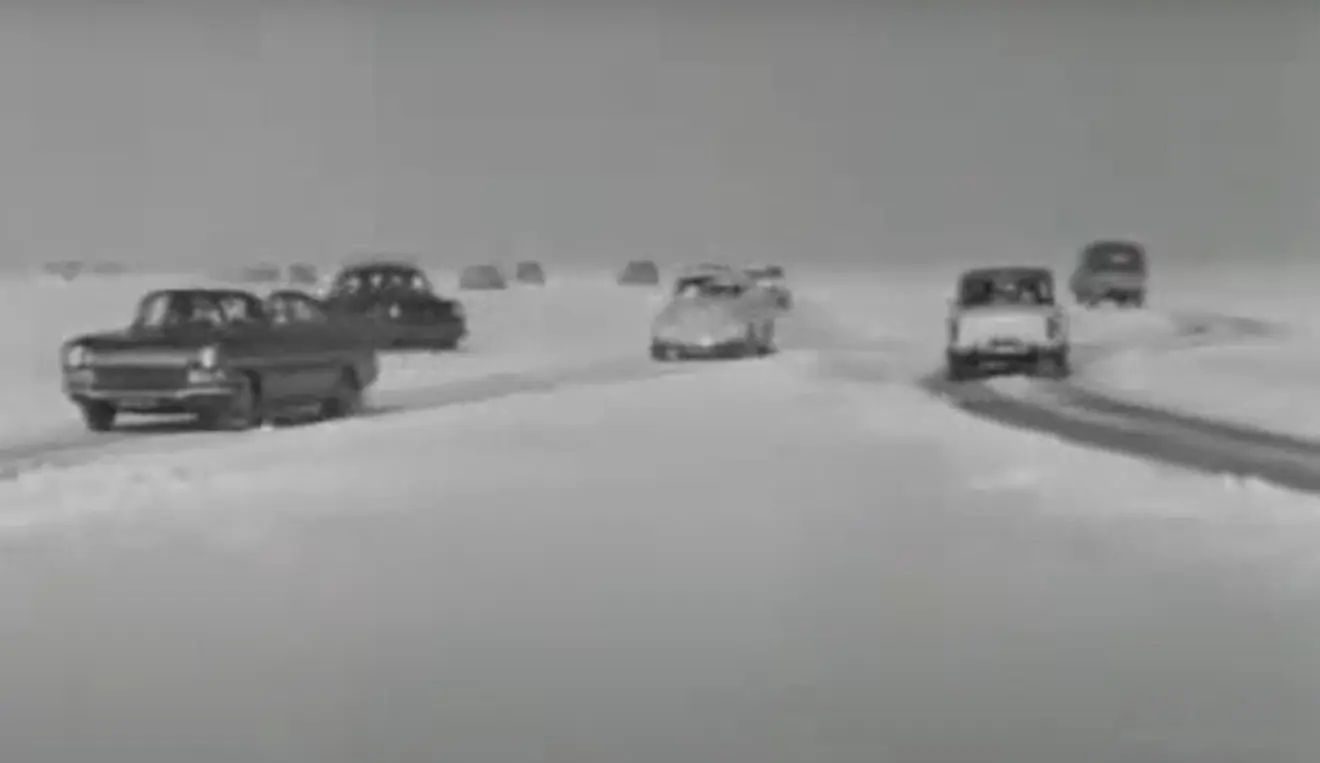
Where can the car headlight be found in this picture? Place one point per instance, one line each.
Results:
(76, 356)
(209, 357)
(395, 311)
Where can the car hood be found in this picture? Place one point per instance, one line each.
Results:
(696, 317)
(138, 338)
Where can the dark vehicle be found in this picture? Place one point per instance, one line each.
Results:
(1111, 270)
(302, 273)
(216, 354)
(397, 306)
(640, 273)
(481, 278)
(529, 273)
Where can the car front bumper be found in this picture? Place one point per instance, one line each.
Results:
(724, 348)
(1007, 356)
(194, 392)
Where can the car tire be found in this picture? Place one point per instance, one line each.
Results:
(958, 369)
(346, 399)
(1052, 365)
(98, 416)
(767, 346)
(241, 412)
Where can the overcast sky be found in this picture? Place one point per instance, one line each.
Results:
(243, 130)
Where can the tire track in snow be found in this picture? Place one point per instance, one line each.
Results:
(77, 447)
(1198, 443)
(74, 447)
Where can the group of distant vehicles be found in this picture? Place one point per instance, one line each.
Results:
(1008, 318)
(234, 360)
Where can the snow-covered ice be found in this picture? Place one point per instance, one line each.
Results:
(513, 331)
(1264, 377)
(772, 561)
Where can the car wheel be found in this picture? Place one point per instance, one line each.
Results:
(240, 412)
(1052, 366)
(346, 399)
(958, 369)
(751, 346)
(99, 416)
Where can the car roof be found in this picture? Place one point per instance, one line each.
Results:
(376, 266)
(1114, 243)
(205, 291)
(1014, 271)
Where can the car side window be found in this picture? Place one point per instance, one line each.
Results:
(305, 311)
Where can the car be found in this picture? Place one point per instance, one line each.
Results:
(1113, 270)
(1007, 318)
(529, 272)
(714, 315)
(639, 273)
(773, 279)
(397, 305)
(482, 278)
(216, 354)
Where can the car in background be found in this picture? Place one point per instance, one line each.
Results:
(773, 279)
(714, 315)
(1111, 270)
(639, 273)
(217, 355)
(397, 306)
(1006, 319)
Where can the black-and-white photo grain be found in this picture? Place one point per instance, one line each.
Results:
(659, 381)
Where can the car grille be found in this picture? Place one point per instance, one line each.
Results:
(139, 379)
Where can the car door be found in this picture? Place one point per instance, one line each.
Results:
(320, 350)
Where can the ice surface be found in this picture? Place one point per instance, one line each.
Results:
(802, 558)
(1266, 377)
(512, 331)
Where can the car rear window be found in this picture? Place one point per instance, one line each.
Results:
(1116, 259)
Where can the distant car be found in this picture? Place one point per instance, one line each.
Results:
(1007, 319)
(714, 315)
(397, 305)
(216, 354)
(482, 278)
(303, 274)
(640, 273)
(773, 279)
(531, 273)
(1111, 270)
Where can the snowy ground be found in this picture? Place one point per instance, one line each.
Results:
(796, 559)
(1266, 378)
(571, 322)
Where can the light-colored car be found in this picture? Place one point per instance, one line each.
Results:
(720, 314)
(1007, 319)
(773, 279)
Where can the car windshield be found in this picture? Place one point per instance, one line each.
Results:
(693, 288)
(196, 310)
(395, 279)
(1121, 259)
(1006, 289)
